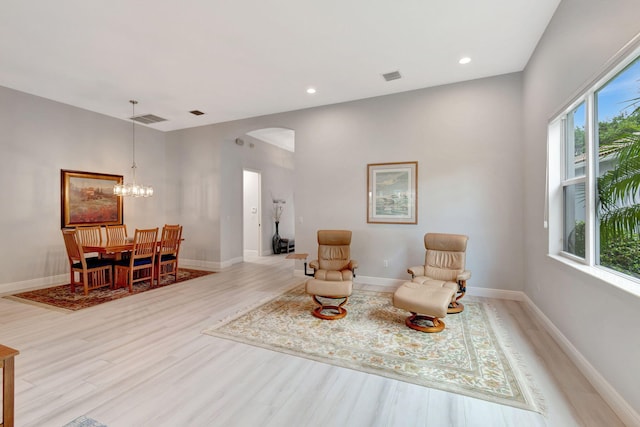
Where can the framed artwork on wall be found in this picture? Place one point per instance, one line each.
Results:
(87, 199)
(392, 193)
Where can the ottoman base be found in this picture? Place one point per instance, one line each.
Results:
(332, 292)
(412, 322)
(458, 308)
(336, 311)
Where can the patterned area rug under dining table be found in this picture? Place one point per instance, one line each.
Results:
(472, 356)
(61, 298)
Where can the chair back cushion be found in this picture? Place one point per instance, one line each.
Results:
(445, 257)
(334, 249)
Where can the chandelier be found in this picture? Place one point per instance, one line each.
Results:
(133, 189)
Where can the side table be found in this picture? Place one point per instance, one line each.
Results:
(301, 256)
(7, 364)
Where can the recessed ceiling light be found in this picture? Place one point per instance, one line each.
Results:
(311, 90)
(464, 60)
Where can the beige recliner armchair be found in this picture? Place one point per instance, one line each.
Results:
(436, 286)
(333, 275)
(444, 266)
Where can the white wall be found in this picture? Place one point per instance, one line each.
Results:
(465, 137)
(193, 189)
(598, 319)
(38, 138)
(206, 183)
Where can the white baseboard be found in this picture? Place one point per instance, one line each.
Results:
(209, 265)
(495, 293)
(382, 282)
(61, 279)
(378, 281)
(386, 283)
(617, 403)
(29, 285)
(250, 253)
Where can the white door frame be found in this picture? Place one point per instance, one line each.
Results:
(259, 209)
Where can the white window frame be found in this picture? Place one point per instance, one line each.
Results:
(582, 179)
(557, 181)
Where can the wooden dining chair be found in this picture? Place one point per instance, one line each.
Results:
(140, 265)
(167, 256)
(116, 233)
(94, 272)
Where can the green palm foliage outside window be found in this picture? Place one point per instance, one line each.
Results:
(618, 182)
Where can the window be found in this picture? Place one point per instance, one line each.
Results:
(594, 174)
(574, 208)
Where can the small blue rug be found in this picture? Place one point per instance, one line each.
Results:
(85, 422)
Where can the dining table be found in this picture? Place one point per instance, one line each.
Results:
(114, 247)
(117, 248)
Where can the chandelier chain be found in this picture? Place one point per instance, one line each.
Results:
(133, 189)
(133, 133)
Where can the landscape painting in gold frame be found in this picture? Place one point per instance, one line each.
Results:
(87, 199)
(392, 193)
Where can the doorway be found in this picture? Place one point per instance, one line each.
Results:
(252, 208)
(269, 168)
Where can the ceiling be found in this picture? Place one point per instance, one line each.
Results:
(246, 58)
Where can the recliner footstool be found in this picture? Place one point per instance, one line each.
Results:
(425, 302)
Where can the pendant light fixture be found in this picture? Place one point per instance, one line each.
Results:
(133, 189)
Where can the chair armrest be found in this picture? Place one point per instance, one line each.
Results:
(462, 281)
(314, 264)
(352, 266)
(416, 271)
(464, 276)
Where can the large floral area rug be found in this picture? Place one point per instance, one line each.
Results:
(61, 296)
(472, 356)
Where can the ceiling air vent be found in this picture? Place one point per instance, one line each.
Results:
(394, 75)
(196, 112)
(148, 119)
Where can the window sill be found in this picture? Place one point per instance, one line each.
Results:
(628, 285)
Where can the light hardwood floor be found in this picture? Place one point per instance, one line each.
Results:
(142, 361)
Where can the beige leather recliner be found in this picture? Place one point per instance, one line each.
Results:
(444, 266)
(334, 271)
(436, 286)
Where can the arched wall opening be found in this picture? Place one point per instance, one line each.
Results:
(268, 171)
